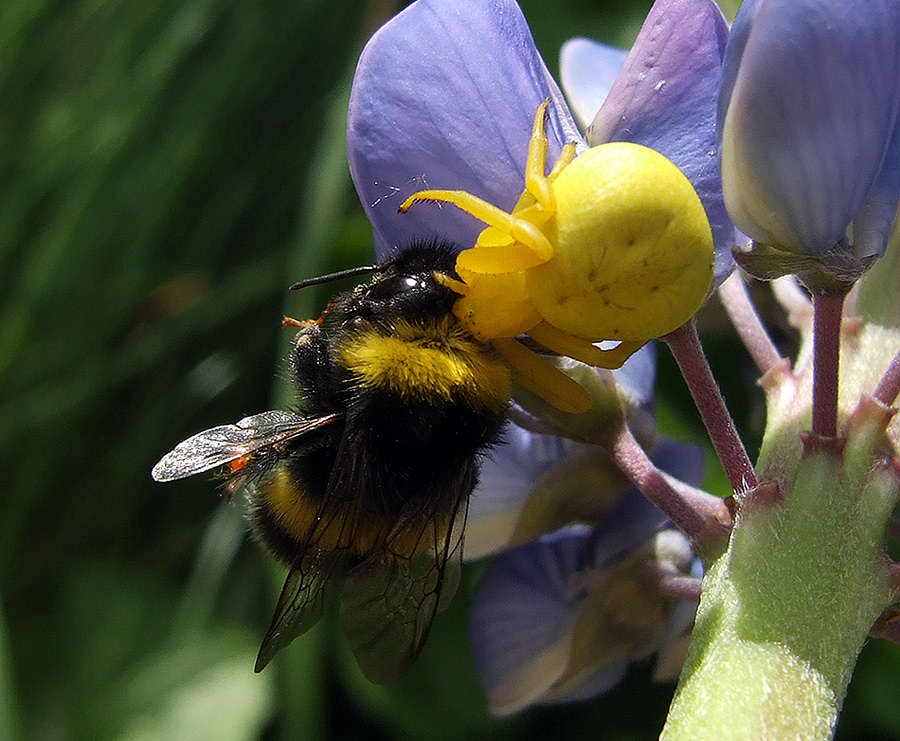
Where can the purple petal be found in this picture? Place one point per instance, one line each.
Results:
(813, 105)
(633, 522)
(666, 97)
(874, 220)
(587, 70)
(637, 377)
(734, 50)
(521, 617)
(597, 683)
(682, 460)
(444, 97)
(531, 603)
(512, 468)
(533, 484)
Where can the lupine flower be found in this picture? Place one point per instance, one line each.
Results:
(809, 124)
(566, 609)
(562, 618)
(533, 484)
(444, 97)
(445, 93)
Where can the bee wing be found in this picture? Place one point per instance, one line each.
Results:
(303, 598)
(390, 598)
(315, 577)
(227, 443)
(390, 593)
(389, 601)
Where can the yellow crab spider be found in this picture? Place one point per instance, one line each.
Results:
(611, 245)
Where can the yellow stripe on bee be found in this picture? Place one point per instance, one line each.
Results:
(438, 361)
(348, 528)
(298, 515)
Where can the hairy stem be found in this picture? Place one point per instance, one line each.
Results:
(736, 301)
(889, 386)
(688, 353)
(786, 610)
(827, 314)
(794, 300)
(699, 515)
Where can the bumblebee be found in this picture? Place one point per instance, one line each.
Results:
(362, 492)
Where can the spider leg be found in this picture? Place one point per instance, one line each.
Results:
(583, 350)
(565, 158)
(534, 373)
(524, 232)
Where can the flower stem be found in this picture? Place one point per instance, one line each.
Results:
(685, 347)
(784, 613)
(736, 301)
(827, 314)
(703, 517)
(889, 385)
(793, 300)
(687, 588)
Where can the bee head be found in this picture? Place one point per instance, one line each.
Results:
(404, 287)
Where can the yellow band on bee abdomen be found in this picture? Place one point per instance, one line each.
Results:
(305, 520)
(344, 525)
(437, 361)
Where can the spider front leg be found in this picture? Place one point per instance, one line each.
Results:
(525, 234)
(527, 245)
(538, 184)
(583, 350)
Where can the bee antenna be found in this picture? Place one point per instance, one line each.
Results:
(348, 273)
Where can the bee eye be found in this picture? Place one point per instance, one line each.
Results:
(395, 285)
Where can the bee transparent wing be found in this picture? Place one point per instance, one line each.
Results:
(390, 600)
(317, 572)
(211, 448)
(303, 598)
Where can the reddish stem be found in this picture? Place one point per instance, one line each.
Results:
(688, 353)
(702, 517)
(889, 385)
(827, 314)
(736, 300)
(794, 300)
(681, 587)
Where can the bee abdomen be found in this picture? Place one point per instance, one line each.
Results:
(290, 520)
(435, 362)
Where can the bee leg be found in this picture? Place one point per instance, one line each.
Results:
(289, 321)
(309, 360)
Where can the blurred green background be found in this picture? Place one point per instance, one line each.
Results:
(168, 169)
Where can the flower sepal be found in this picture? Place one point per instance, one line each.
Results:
(835, 271)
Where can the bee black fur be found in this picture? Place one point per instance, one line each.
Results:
(363, 493)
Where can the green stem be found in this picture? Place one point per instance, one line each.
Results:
(786, 610)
